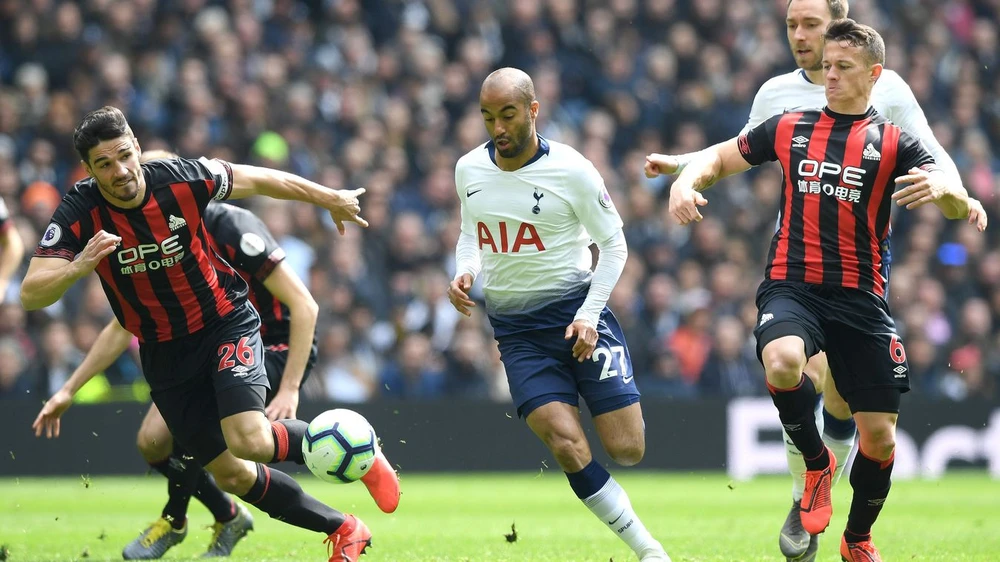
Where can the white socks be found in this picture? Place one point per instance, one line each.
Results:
(611, 505)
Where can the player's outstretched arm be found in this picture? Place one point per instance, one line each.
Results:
(933, 186)
(11, 254)
(253, 180)
(109, 345)
(289, 289)
(48, 278)
(712, 164)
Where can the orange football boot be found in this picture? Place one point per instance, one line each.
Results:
(349, 541)
(383, 483)
(817, 508)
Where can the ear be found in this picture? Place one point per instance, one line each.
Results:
(90, 171)
(876, 72)
(533, 109)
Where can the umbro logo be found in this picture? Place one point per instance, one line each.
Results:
(471, 192)
(764, 318)
(799, 142)
(871, 153)
(176, 222)
(900, 372)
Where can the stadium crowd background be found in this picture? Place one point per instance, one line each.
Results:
(383, 94)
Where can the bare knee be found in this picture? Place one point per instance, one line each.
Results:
(876, 434)
(627, 453)
(233, 475)
(154, 440)
(570, 450)
(249, 437)
(784, 362)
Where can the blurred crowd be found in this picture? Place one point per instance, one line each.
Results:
(384, 94)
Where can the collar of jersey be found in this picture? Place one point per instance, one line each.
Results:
(848, 117)
(543, 149)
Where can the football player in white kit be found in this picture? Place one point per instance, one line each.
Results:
(806, 22)
(530, 209)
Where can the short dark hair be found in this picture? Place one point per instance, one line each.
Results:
(858, 35)
(99, 125)
(838, 8)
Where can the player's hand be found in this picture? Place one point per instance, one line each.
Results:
(283, 406)
(48, 418)
(97, 248)
(977, 216)
(346, 208)
(586, 339)
(684, 203)
(925, 187)
(660, 164)
(458, 294)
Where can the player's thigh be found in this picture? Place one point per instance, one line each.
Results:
(606, 381)
(789, 330)
(869, 369)
(623, 433)
(557, 424)
(538, 371)
(833, 402)
(191, 414)
(154, 439)
(817, 368)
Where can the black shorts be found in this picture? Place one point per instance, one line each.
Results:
(853, 327)
(275, 359)
(224, 374)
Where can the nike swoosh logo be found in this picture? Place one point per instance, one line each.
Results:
(627, 379)
(617, 518)
(472, 192)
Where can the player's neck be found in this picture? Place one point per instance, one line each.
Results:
(815, 76)
(859, 107)
(515, 163)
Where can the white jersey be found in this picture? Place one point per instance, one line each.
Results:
(891, 97)
(533, 226)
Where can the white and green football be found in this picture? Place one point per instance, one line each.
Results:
(339, 446)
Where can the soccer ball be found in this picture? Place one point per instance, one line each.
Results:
(339, 446)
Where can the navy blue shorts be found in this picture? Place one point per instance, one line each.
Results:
(541, 369)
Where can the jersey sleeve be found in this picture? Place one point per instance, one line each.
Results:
(61, 237)
(593, 205)
(757, 144)
(5, 222)
(222, 176)
(468, 227)
(911, 153)
(247, 243)
(905, 111)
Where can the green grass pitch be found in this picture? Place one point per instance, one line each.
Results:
(464, 517)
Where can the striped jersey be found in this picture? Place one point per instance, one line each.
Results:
(839, 172)
(165, 280)
(245, 242)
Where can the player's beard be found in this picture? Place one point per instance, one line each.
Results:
(515, 144)
(126, 191)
